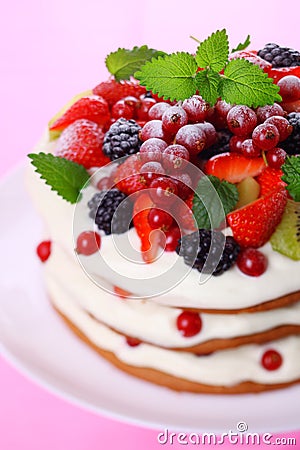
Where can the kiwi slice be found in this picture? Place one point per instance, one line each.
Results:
(286, 239)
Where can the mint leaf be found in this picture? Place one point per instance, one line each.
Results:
(214, 51)
(124, 63)
(208, 83)
(243, 45)
(213, 199)
(291, 170)
(65, 177)
(172, 76)
(245, 83)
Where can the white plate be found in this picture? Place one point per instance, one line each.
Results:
(35, 339)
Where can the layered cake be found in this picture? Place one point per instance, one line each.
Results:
(172, 218)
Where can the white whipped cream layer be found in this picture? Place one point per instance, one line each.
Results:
(232, 290)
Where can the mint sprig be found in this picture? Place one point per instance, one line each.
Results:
(291, 170)
(213, 199)
(65, 177)
(124, 63)
(242, 45)
(177, 76)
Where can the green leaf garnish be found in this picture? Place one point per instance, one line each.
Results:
(213, 52)
(245, 83)
(291, 170)
(65, 177)
(172, 76)
(213, 199)
(243, 45)
(124, 63)
(208, 84)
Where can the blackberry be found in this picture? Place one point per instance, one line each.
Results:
(280, 56)
(292, 144)
(122, 139)
(103, 206)
(195, 248)
(221, 146)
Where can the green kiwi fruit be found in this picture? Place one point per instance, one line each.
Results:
(286, 239)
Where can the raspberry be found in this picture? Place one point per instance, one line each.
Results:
(292, 144)
(195, 248)
(112, 211)
(280, 56)
(122, 139)
(112, 91)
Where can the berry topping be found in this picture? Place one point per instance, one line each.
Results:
(249, 149)
(253, 225)
(241, 120)
(163, 191)
(198, 246)
(265, 136)
(93, 108)
(192, 137)
(233, 167)
(111, 211)
(112, 91)
(144, 107)
(264, 112)
(43, 250)
(122, 109)
(122, 139)
(132, 342)
(158, 218)
(128, 178)
(252, 262)
(276, 157)
(169, 240)
(270, 180)
(88, 243)
(271, 360)
(292, 144)
(283, 126)
(280, 56)
(153, 129)
(156, 111)
(289, 88)
(151, 150)
(175, 157)
(173, 119)
(151, 170)
(81, 142)
(121, 292)
(196, 108)
(189, 323)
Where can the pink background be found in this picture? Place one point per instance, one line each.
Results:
(51, 50)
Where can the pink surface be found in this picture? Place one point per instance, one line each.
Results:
(49, 52)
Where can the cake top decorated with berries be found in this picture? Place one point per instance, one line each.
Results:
(200, 154)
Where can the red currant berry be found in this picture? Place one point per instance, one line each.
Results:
(276, 157)
(283, 126)
(235, 144)
(163, 191)
(252, 262)
(222, 108)
(184, 185)
(88, 242)
(153, 129)
(132, 342)
(175, 157)
(121, 109)
(151, 170)
(174, 118)
(156, 111)
(264, 112)
(158, 218)
(192, 137)
(289, 88)
(271, 360)
(143, 108)
(265, 136)
(196, 108)
(131, 101)
(43, 250)
(104, 184)
(189, 323)
(241, 120)
(151, 150)
(211, 136)
(249, 149)
(170, 239)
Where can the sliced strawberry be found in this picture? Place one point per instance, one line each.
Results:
(270, 180)
(233, 167)
(150, 238)
(253, 225)
(113, 91)
(81, 142)
(92, 108)
(128, 177)
(281, 72)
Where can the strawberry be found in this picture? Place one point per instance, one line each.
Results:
(252, 57)
(270, 180)
(233, 167)
(81, 142)
(150, 239)
(128, 178)
(253, 225)
(281, 72)
(92, 108)
(112, 91)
